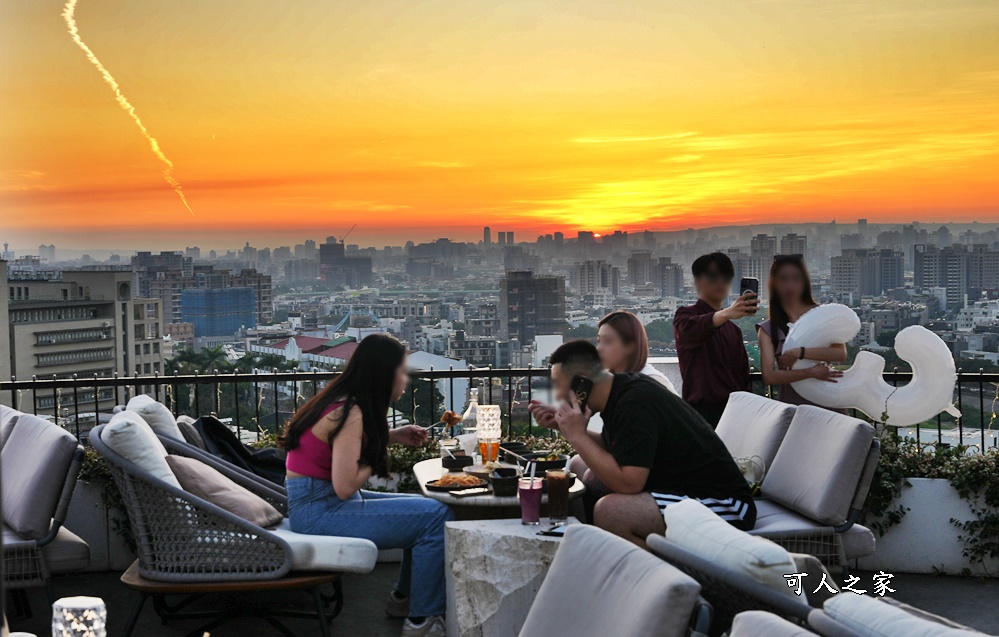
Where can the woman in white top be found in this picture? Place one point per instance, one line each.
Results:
(624, 346)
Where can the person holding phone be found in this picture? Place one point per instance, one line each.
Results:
(711, 348)
(654, 450)
(790, 298)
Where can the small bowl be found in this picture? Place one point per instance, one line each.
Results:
(505, 482)
(457, 463)
(544, 465)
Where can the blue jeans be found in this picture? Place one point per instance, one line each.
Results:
(390, 520)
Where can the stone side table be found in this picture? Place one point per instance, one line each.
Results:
(495, 568)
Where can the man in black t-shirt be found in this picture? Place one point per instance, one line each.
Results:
(655, 449)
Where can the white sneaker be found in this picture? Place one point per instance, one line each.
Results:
(431, 627)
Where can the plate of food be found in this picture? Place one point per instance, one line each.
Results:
(483, 470)
(545, 460)
(456, 481)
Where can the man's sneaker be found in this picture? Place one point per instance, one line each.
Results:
(431, 627)
(397, 607)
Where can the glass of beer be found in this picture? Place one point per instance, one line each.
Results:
(489, 431)
(529, 491)
(489, 449)
(558, 496)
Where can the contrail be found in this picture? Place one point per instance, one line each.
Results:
(67, 15)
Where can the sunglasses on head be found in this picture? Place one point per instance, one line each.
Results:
(789, 258)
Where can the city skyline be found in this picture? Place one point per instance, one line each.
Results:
(416, 122)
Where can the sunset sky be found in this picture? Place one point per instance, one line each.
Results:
(295, 119)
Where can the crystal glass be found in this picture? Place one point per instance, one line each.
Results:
(490, 422)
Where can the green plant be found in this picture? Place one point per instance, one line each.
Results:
(974, 475)
(95, 471)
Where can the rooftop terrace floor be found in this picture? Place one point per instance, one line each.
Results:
(967, 600)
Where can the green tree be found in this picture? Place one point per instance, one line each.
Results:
(581, 331)
(661, 330)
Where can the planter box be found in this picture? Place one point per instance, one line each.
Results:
(926, 541)
(95, 524)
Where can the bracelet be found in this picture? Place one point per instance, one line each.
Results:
(802, 354)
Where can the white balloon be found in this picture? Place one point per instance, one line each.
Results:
(863, 386)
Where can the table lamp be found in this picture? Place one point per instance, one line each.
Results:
(79, 617)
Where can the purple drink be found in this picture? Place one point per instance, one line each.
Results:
(529, 491)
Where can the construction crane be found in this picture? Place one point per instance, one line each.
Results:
(344, 237)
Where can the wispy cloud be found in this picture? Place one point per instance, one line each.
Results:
(629, 139)
(441, 164)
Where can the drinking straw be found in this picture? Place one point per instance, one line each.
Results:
(534, 466)
(448, 452)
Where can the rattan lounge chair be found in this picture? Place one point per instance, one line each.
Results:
(188, 546)
(38, 472)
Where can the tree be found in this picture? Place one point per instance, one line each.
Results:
(581, 331)
(661, 330)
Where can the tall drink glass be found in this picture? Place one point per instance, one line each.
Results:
(529, 490)
(558, 496)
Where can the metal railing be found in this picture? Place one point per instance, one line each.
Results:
(261, 401)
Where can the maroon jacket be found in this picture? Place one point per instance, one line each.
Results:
(713, 360)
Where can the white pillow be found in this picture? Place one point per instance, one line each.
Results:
(156, 416)
(871, 618)
(128, 435)
(694, 527)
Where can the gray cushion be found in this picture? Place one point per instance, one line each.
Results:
(66, 553)
(191, 435)
(870, 617)
(600, 584)
(774, 521)
(754, 425)
(8, 417)
(33, 466)
(156, 415)
(818, 466)
(753, 623)
(812, 589)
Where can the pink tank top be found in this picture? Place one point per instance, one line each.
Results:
(312, 457)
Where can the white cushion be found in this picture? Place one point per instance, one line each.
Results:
(694, 527)
(753, 623)
(753, 425)
(871, 618)
(772, 520)
(156, 416)
(328, 553)
(128, 435)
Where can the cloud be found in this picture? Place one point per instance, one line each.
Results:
(21, 179)
(629, 139)
(441, 164)
(369, 206)
(682, 159)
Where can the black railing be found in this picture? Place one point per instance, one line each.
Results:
(260, 402)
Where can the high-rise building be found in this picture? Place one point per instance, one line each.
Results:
(965, 271)
(641, 268)
(342, 270)
(193, 252)
(509, 238)
(5, 369)
(597, 278)
(669, 276)
(531, 305)
(78, 322)
(487, 236)
(792, 243)
(854, 241)
(501, 238)
(754, 267)
(261, 286)
(47, 253)
(763, 246)
(867, 272)
(219, 311)
(559, 239)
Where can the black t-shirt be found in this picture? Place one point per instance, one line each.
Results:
(646, 425)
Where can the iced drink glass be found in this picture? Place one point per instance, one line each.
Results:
(558, 496)
(529, 490)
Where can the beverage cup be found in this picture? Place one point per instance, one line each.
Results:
(529, 491)
(558, 496)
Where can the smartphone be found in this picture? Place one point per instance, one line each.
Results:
(581, 386)
(464, 493)
(555, 531)
(749, 284)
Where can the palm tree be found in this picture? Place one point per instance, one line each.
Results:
(213, 358)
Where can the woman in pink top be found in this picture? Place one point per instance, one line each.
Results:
(335, 443)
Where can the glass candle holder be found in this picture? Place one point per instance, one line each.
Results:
(79, 617)
(490, 422)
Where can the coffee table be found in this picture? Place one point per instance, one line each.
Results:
(478, 506)
(495, 568)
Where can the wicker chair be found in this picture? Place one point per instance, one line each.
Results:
(188, 546)
(39, 470)
(731, 593)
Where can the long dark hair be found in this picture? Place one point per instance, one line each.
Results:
(629, 327)
(367, 382)
(778, 315)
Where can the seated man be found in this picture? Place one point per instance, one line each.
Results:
(655, 449)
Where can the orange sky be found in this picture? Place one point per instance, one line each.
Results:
(293, 119)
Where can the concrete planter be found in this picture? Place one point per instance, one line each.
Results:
(926, 541)
(95, 524)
